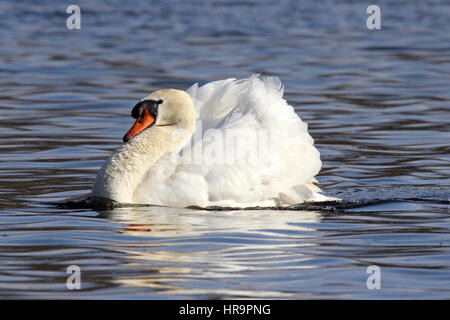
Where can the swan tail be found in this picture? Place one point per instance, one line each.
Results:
(301, 193)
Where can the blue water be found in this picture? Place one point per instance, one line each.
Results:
(376, 101)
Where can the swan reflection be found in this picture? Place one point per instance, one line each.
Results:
(175, 246)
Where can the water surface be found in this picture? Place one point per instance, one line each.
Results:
(377, 104)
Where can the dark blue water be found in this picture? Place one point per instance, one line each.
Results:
(377, 103)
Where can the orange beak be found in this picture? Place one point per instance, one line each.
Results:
(142, 123)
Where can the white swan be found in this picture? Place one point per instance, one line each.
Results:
(243, 146)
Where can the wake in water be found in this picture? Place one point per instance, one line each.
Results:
(324, 206)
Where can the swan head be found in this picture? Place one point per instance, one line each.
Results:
(168, 107)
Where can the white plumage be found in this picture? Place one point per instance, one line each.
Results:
(249, 148)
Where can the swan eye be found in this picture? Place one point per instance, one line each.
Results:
(138, 110)
(150, 105)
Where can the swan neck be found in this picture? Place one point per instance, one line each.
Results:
(124, 170)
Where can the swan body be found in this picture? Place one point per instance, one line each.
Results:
(231, 143)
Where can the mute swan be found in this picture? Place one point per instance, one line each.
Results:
(234, 143)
